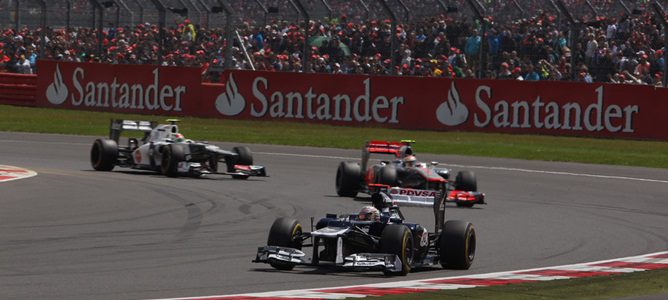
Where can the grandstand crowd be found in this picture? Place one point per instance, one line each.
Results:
(618, 48)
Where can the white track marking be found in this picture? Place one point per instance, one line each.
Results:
(45, 142)
(452, 165)
(486, 168)
(10, 173)
(357, 291)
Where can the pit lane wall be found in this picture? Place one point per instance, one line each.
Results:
(504, 106)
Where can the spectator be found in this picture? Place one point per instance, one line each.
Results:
(531, 74)
(23, 65)
(428, 45)
(504, 72)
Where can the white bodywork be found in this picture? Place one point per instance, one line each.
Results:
(160, 136)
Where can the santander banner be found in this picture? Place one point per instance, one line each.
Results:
(119, 88)
(555, 108)
(505, 106)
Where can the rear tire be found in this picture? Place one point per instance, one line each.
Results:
(172, 154)
(397, 239)
(466, 181)
(282, 234)
(103, 154)
(348, 177)
(245, 155)
(457, 244)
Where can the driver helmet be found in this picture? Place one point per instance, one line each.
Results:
(369, 213)
(178, 138)
(409, 161)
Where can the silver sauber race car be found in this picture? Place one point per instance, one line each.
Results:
(164, 149)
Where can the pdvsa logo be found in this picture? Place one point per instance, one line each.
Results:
(230, 102)
(452, 112)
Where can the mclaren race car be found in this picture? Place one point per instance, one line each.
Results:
(164, 149)
(406, 176)
(376, 239)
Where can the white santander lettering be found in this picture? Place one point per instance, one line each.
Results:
(78, 72)
(574, 116)
(126, 95)
(315, 105)
(260, 97)
(483, 106)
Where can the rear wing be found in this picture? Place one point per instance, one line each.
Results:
(116, 127)
(383, 147)
(396, 196)
(385, 195)
(398, 149)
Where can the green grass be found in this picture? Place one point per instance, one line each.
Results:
(606, 287)
(533, 147)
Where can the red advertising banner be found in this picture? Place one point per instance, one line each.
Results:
(506, 106)
(143, 89)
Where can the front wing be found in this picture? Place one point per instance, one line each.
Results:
(466, 197)
(354, 262)
(250, 170)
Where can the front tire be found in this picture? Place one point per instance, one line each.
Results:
(282, 234)
(348, 179)
(466, 181)
(172, 154)
(467, 204)
(245, 155)
(457, 244)
(103, 154)
(397, 239)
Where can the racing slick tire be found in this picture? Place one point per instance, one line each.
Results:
(172, 154)
(467, 204)
(457, 244)
(387, 175)
(103, 154)
(282, 234)
(213, 164)
(348, 179)
(398, 239)
(245, 155)
(466, 181)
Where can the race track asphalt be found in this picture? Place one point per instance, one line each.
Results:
(74, 233)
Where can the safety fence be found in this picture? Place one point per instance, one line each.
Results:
(442, 104)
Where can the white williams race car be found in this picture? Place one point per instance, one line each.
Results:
(164, 149)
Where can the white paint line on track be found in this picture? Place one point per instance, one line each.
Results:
(51, 142)
(561, 173)
(488, 168)
(451, 165)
